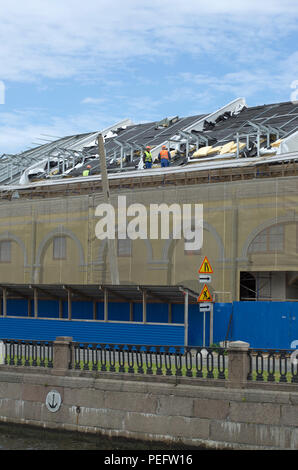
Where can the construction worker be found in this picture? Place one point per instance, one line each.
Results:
(164, 156)
(147, 157)
(87, 171)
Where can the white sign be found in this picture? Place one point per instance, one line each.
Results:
(53, 401)
(205, 278)
(206, 307)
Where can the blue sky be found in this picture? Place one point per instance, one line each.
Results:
(72, 67)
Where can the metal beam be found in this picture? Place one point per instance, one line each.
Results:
(60, 308)
(4, 297)
(170, 318)
(144, 306)
(78, 293)
(69, 304)
(35, 303)
(152, 294)
(186, 318)
(116, 296)
(13, 291)
(106, 304)
(44, 291)
(130, 311)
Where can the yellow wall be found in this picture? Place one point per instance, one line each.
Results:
(234, 213)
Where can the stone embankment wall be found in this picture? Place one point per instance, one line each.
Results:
(218, 414)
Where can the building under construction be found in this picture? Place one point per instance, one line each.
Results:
(239, 162)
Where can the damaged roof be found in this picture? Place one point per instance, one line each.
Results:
(234, 131)
(282, 116)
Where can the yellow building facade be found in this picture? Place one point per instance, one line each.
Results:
(249, 237)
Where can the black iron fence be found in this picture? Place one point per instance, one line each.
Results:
(273, 365)
(264, 365)
(27, 353)
(151, 360)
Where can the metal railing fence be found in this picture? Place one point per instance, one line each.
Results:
(18, 352)
(272, 365)
(151, 360)
(279, 366)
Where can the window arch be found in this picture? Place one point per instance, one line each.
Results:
(60, 232)
(10, 237)
(270, 240)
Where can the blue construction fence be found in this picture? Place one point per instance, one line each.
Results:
(84, 327)
(262, 324)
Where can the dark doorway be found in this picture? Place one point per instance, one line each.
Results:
(247, 286)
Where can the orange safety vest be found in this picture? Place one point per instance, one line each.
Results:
(164, 154)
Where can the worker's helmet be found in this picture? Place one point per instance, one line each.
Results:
(163, 147)
(88, 166)
(148, 147)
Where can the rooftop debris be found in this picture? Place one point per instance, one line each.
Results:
(233, 132)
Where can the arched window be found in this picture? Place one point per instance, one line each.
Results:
(5, 251)
(59, 247)
(124, 247)
(270, 240)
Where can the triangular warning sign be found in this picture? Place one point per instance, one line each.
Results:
(205, 267)
(205, 295)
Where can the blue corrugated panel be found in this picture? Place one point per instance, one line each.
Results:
(100, 311)
(48, 309)
(88, 331)
(157, 312)
(266, 324)
(177, 313)
(195, 330)
(118, 311)
(82, 310)
(17, 307)
(221, 317)
(137, 312)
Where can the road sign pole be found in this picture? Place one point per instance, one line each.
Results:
(211, 325)
(205, 298)
(204, 329)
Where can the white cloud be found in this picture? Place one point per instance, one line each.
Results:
(246, 82)
(20, 130)
(54, 39)
(90, 100)
(94, 40)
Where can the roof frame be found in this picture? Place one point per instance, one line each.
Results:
(124, 293)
